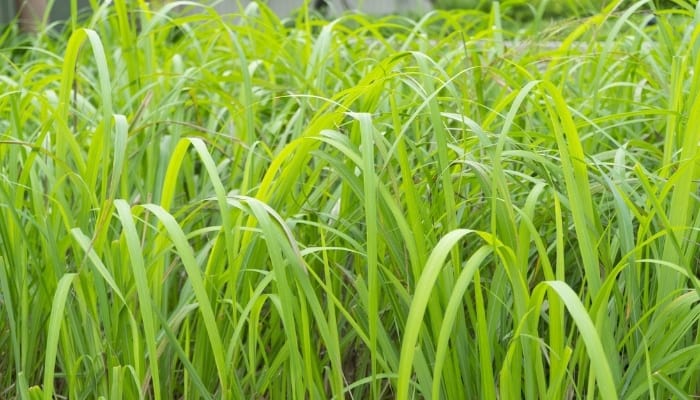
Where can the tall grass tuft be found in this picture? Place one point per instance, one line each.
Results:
(455, 206)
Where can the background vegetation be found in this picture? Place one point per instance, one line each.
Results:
(241, 207)
(525, 9)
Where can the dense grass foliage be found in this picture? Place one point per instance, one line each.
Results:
(243, 207)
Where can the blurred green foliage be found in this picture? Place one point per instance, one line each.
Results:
(521, 9)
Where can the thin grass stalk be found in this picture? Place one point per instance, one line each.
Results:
(370, 204)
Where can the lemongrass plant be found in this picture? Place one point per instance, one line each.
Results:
(459, 206)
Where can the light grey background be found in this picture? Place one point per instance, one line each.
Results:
(61, 8)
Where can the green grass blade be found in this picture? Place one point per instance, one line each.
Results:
(414, 321)
(600, 366)
(54, 330)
